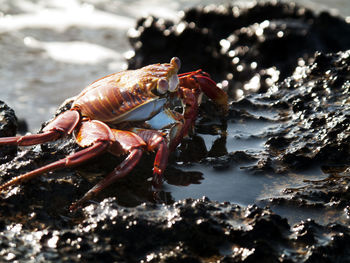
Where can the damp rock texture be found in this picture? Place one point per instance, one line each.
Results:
(8, 127)
(297, 102)
(315, 131)
(187, 231)
(317, 128)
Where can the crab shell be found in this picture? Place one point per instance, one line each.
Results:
(131, 95)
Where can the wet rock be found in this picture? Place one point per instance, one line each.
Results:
(313, 131)
(187, 231)
(317, 129)
(8, 128)
(22, 126)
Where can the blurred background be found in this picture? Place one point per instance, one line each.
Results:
(51, 49)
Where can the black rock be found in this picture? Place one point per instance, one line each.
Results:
(8, 128)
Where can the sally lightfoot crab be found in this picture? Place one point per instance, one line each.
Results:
(126, 113)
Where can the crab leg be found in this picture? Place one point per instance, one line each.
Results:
(132, 142)
(156, 141)
(94, 135)
(61, 125)
(70, 161)
(190, 99)
(125, 142)
(122, 170)
(31, 139)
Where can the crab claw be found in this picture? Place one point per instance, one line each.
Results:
(63, 124)
(207, 85)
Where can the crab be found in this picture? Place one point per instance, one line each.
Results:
(126, 113)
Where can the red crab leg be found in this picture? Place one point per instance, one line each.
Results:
(133, 142)
(190, 99)
(122, 170)
(62, 124)
(31, 139)
(71, 160)
(124, 142)
(155, 140)
(97, 137)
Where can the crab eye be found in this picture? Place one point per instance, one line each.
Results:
(163, 86)
(177, 61)
(173, 83)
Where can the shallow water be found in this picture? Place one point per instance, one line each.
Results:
(51, 49)
(241, 185)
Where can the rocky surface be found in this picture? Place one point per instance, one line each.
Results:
(8, 127)
(187, 231)
(257, 55)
